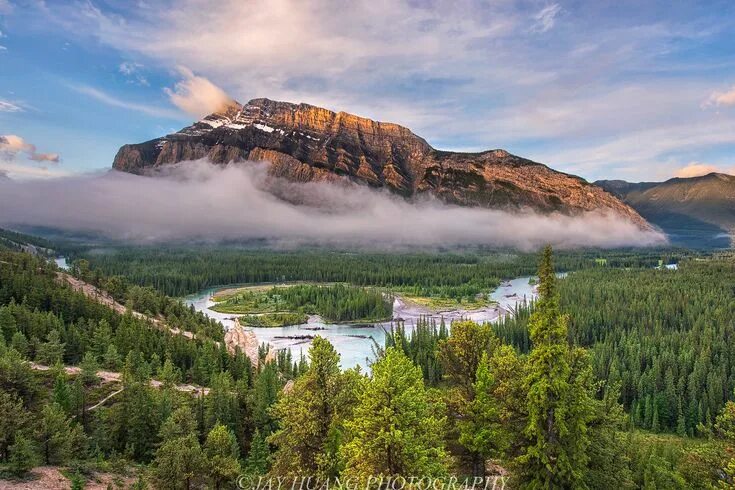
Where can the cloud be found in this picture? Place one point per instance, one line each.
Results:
(131, 69)
(546, 18)
(464, 73)
(24, 172)
(725, 98)
(197, 96)
(113, 101)
(200, 201)
(695, 169)
(12, 145)
(7, 106)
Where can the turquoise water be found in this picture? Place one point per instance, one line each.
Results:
(356, 343)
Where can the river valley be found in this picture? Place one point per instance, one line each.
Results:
(355, 342)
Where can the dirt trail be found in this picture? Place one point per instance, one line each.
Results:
(235, 337)
(51, 478)
(103, 297)
(115, 377)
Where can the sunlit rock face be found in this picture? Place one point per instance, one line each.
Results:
(304, 143)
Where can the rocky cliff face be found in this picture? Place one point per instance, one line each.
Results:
(304, 143)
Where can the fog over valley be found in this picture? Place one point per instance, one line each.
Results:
(199, 201)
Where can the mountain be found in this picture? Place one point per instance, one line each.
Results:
(694, 211)
(305, 143)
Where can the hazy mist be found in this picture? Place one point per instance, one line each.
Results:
(200, 201)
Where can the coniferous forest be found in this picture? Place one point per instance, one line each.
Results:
(618, 375)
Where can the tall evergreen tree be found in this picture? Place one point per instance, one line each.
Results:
(178, 460)
(57, 438)
(480, 429)
(257, 460)
(311, 416)
(23, 456)
(558, 400)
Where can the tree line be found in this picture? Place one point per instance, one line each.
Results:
(451, 273)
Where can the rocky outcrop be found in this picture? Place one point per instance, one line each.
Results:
(304, 143)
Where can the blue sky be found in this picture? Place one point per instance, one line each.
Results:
(631, 90)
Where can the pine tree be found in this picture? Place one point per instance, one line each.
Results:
(89, 368)
(257, 460)
(220, 404)
(112, 359)
(221, 456)
(23, 456)
(462, 352)
(61, 394)
(58, 439)
(265, 393)
(19, 343)
(14, 418)
(52, 351)
(480, 429)
(179, 459)
(311, 416)
(8, 326)
(393, 428)
(559, 404)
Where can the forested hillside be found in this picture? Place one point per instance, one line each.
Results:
(598, 385)
(95, 420)
(666, 337)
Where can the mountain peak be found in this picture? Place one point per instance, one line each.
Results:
(306, 143)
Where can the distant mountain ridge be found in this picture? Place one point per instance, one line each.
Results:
(692, 211)
(304, 143)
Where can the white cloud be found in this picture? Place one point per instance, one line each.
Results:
(546, 18)
(725, 98)
(7, 106)
(196, 95)
(12, 145)
(131, 70)
(113, 101)
(644, 154)
(696, 169)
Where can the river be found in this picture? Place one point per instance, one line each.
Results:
(355, 343)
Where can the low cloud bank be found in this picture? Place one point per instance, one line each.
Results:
(200, 201)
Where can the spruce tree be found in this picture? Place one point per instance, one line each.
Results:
(13, 419)
(57, 438)
(258, 456)
(179, 459)
(23, 456)
(558, 400)
(52, 351)
(480, 429)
